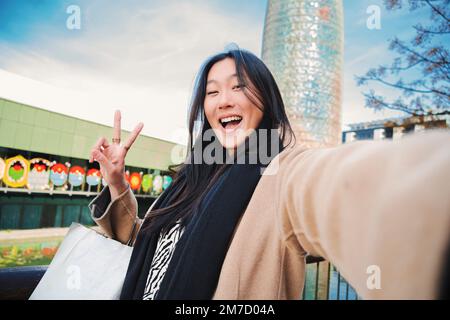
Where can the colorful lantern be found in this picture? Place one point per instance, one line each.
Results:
(167, 180)
(58, 174)
(76, 176)
(135, 181)
(157, 184)
(39, 174)
(147, 182)
(16, 172)
(2, 168)
(93, 177)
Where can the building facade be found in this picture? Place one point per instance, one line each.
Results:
(45, 177)
(303, 48)
(394, 128)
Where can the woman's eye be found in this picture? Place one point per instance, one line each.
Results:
(237, 87)
(211, 93)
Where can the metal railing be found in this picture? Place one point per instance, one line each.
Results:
(324, 282)
(19, 282)
(68, 193)
(38, 211)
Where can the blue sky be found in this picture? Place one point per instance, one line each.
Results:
(142, 56)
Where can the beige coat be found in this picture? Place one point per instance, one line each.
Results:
(365, 206)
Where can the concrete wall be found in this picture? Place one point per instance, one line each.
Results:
(29, 128)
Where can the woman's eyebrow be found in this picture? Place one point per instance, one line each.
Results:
(213, 80)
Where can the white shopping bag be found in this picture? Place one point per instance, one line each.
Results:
(86, 266)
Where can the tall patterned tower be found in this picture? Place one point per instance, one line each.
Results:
(303, 48)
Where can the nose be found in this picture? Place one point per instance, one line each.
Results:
(225, 100)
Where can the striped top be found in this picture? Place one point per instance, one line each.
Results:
(163, 254)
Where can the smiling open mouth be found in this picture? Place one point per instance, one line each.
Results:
(230, 122)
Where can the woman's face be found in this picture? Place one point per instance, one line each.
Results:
(230, 113)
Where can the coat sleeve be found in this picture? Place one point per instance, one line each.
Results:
(118, 218)
(379, 211)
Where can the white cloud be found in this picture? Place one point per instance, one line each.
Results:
(141, 60)
(368, 57)
(353, 108)
(363, 59)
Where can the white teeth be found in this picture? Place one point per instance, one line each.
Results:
(228, 119)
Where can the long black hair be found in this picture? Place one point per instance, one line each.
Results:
(192, 180)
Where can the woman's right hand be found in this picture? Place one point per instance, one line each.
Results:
(111, 157)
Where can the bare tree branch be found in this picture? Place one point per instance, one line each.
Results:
(421, 29)
(429, 93)
(439, 12)
(412, 89)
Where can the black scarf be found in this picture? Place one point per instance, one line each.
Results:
(194, 269)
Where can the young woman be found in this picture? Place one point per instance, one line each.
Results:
(233, 226)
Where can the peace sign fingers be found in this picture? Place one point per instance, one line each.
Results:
(111, 157)
(134, 134)
(116, 129)
(101, 143)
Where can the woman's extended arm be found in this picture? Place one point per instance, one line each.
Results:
(378, 210)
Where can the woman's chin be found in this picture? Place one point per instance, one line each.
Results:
(232, 144)
(231, 141)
